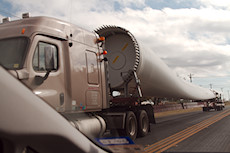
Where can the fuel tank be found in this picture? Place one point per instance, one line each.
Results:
(126, 54)
(91, 125)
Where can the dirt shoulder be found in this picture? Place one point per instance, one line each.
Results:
(174, 112)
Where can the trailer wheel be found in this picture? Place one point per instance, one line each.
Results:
(130, 125)
(205, 109)
(143, 123)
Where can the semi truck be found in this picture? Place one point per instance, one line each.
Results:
(216, 104)
(96, 80)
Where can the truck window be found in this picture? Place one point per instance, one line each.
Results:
(13, 52)
(92, 67)
(39, 57)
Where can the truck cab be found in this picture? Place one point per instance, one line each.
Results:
(58, 61)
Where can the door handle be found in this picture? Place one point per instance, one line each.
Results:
(61, 97)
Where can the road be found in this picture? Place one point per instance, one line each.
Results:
(191, 132)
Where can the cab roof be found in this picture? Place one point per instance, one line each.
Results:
(46, 26)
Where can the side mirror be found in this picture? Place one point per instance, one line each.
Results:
(49, 58)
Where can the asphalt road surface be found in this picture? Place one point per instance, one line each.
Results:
(191, 132)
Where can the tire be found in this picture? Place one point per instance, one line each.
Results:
(205, 109)
(143, 123)
(130, 126)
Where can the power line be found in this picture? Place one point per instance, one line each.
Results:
(10, 14)
(213, 76)
(190, 76)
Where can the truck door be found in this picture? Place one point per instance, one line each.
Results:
(52, 90)
(93, 94)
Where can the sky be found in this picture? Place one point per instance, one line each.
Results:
(190, 36)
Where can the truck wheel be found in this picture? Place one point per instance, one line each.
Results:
(143, 123)
(205, 109)
(130, 125)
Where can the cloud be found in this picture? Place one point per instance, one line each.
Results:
(223, 4)
(131, 3)
(1, 17)
(186, 39)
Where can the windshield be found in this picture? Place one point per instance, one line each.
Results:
(12, 52)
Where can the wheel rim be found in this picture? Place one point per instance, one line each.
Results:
(132, 129)
(144, 124)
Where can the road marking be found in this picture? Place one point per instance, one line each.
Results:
(171, 141)
(159, 143)
(190, 134)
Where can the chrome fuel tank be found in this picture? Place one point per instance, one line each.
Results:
(156, 78)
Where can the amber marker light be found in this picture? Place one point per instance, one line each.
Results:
(23, 31)
(100, 39)
(104, 52)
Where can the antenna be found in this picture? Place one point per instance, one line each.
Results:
(190, 76)
(6, 12)
(70, 11)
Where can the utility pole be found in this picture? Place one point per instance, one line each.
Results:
(222, 89)
(210, 86)
(190, 76)
(228, 95)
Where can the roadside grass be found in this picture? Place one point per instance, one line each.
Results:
(174, 112)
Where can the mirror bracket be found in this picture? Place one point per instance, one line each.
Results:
(39, 79)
